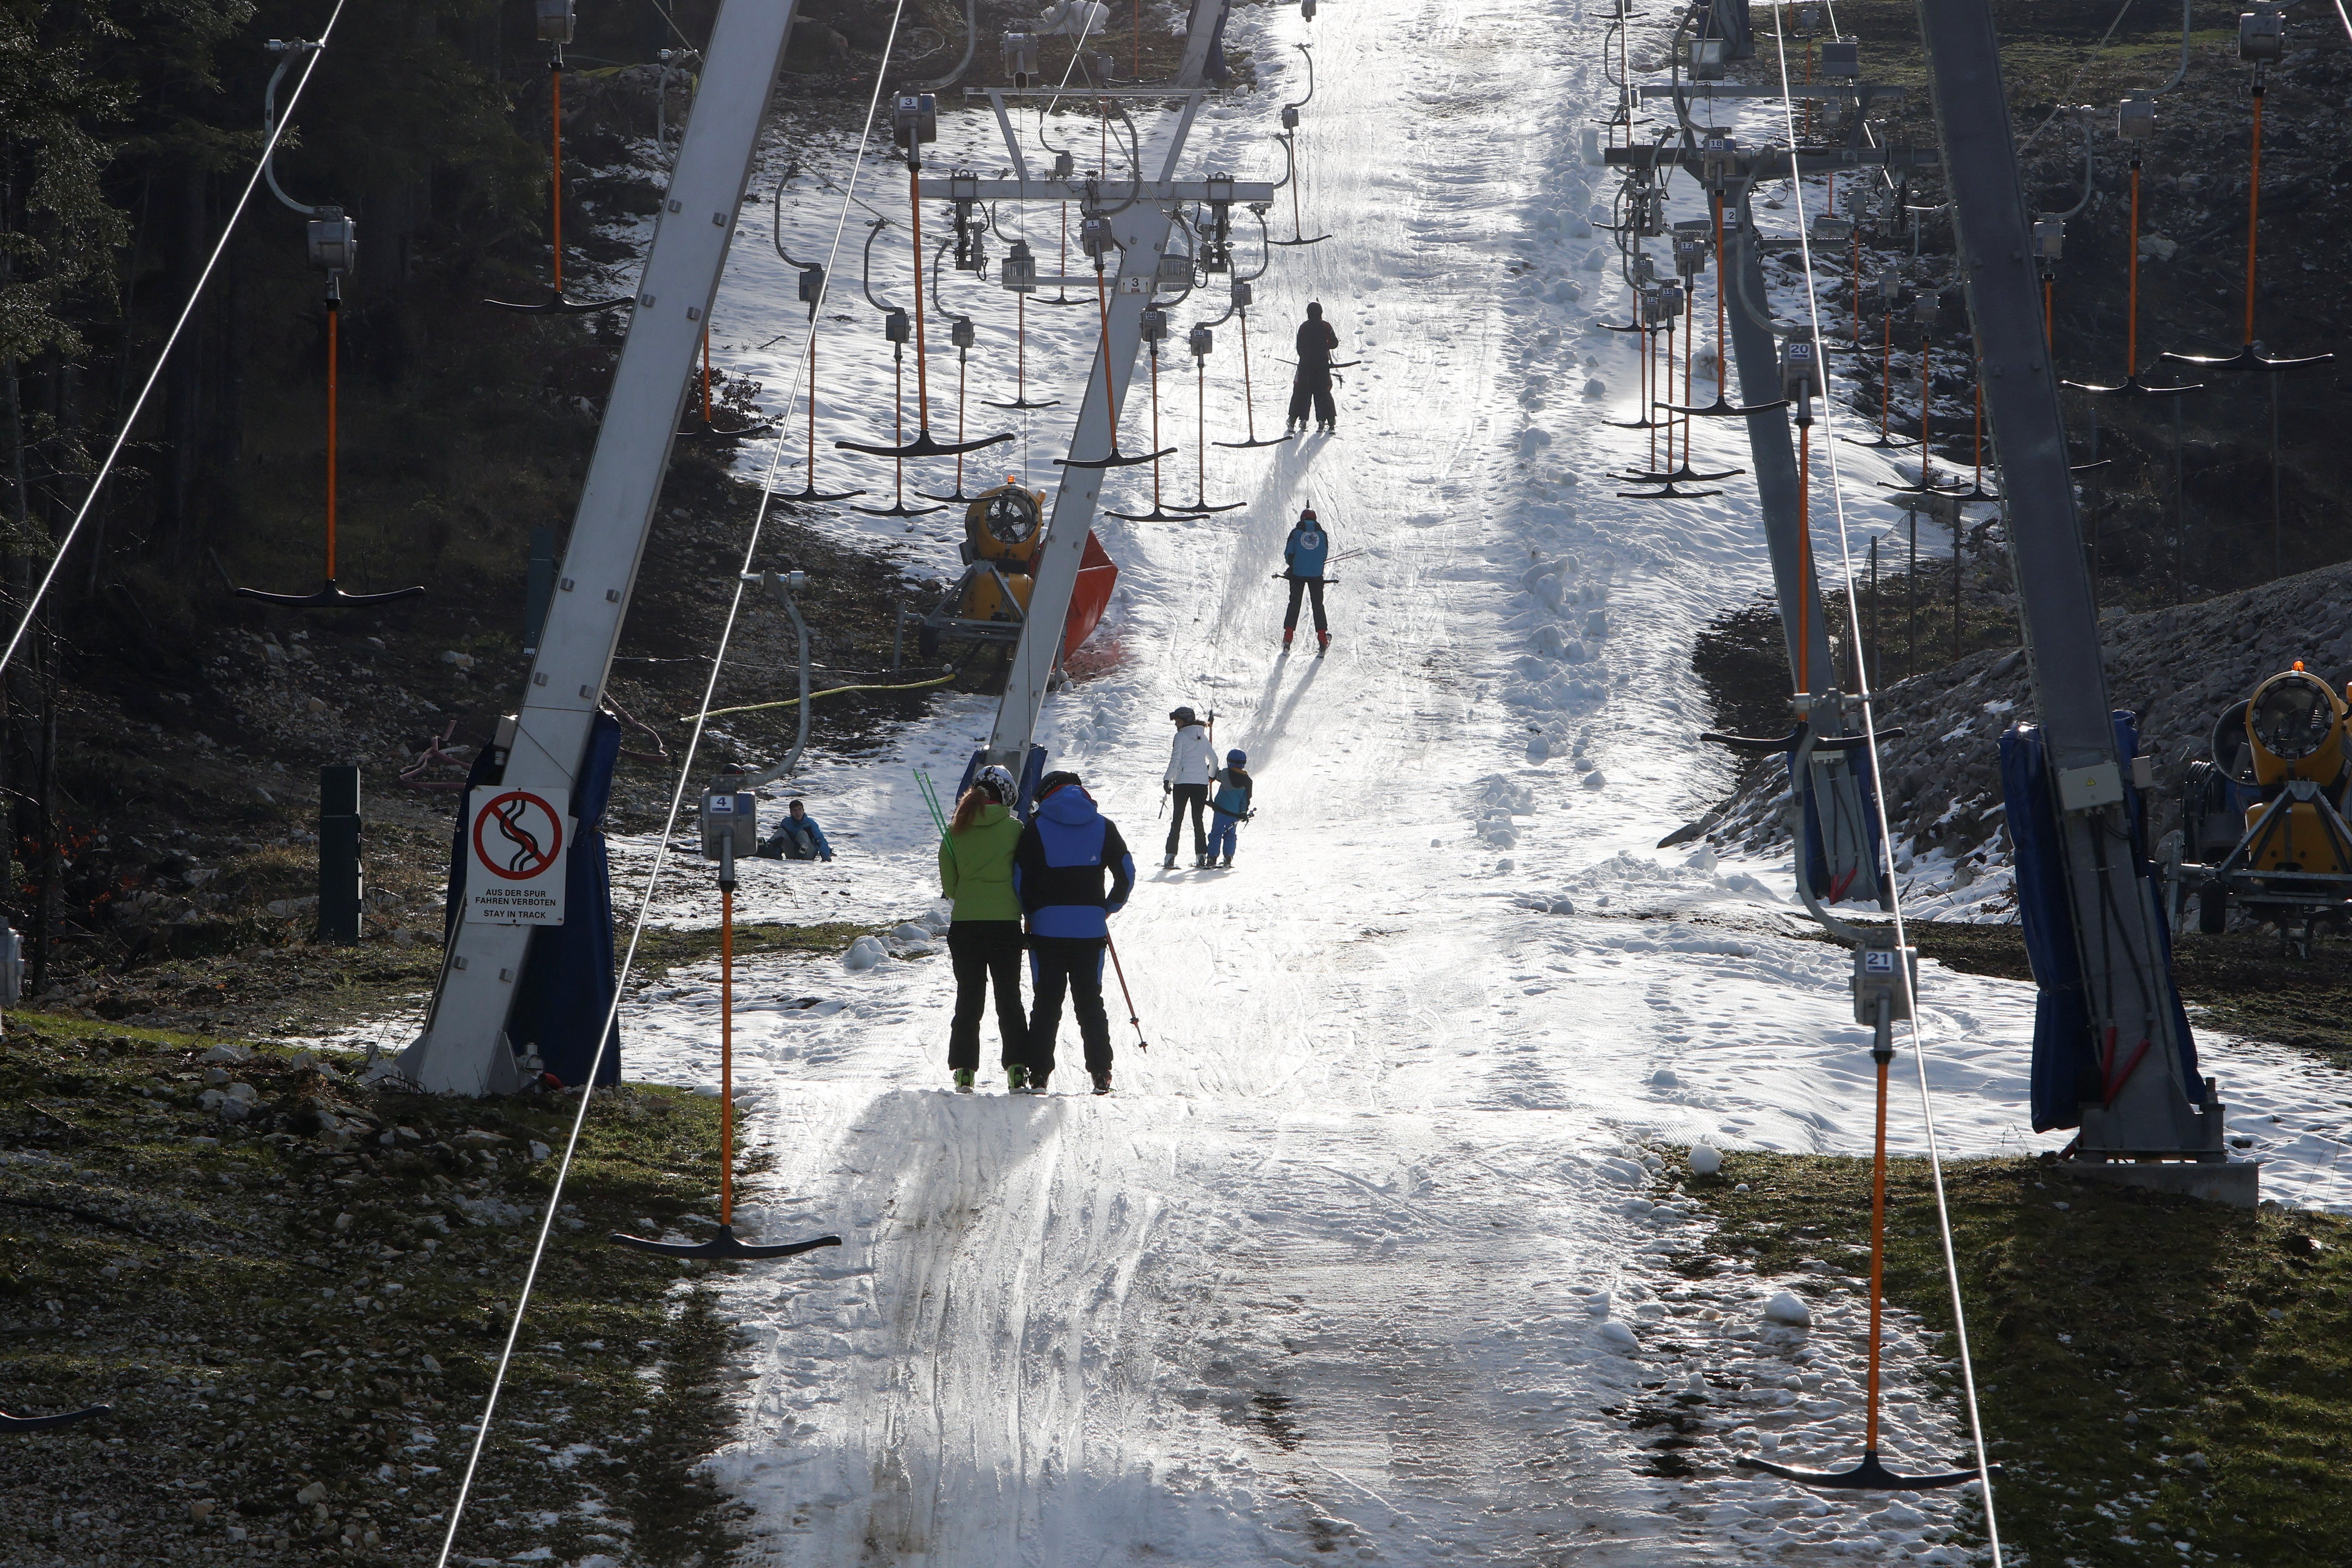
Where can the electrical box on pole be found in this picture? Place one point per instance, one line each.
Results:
(540, 749)
(2118, 1026)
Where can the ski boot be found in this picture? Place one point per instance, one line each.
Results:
(1324, 645)
(1226, 864)
(1102, 1081)
(1169, 864)
(1201, 862)
(963, 1081)
(1285, 639)
(1016, 1081)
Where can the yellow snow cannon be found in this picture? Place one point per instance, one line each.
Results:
(2264, 824)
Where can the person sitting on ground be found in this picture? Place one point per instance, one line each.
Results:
(1066, 854)
(1231, 804)
(797, 838)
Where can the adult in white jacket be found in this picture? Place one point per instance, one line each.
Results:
(1190, 762)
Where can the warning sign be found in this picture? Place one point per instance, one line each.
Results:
(518, 838)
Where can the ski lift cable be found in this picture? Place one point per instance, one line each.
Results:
(1886, 851)
(660, 859)
(187, 311)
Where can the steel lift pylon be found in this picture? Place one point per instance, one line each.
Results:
(2152, 1112)
(1142, 229)
(1841, 805)
(463, 1048)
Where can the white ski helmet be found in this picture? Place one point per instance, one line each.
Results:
(997, 782)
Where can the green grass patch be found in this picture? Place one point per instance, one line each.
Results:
(317, 1295)
(2152, 1371)
(663, 949)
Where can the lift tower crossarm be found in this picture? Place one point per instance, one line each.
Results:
(2127, 987)
(964, 188)
(1775, 162)
(1142, 231)
(464, 1046)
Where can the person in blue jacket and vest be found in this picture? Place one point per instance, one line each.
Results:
(1065, 856)
(1303, 556)
(1232, 805)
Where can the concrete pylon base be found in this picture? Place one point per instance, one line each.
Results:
(2233, 1182)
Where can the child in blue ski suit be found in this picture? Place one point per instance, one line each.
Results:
(1231, 804)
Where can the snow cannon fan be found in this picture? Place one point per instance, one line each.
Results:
(2295, 745)
(730, 823)
(1002, 530)
(2295, 725)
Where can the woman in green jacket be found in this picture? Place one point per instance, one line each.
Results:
(984, 932)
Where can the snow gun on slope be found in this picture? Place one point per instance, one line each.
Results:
(1004, 531)
(2264, 824)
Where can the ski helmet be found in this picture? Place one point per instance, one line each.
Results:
(1183, 716)
(997, 782)
(1236, 758)
(1307, 514)
(1314, 312)
(1053, 781)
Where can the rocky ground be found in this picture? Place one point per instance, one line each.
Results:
(292, 1289)
(2177, 668)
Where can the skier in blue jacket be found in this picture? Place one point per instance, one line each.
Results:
(797, 838)
(1058, 868)
(1231, 804)
(1302, 562)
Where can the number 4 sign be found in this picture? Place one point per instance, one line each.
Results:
(516, 840)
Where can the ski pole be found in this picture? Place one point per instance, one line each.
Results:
(1120, 970)
(931, 799)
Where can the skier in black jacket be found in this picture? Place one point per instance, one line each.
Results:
(1313, 383)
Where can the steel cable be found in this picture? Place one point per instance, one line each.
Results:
(1886, 851)
(661, 853)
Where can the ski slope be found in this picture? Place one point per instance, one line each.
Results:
(1365, 1260)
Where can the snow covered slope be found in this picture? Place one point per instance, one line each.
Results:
(1356, 1263)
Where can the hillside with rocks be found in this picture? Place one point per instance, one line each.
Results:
(2178, 669)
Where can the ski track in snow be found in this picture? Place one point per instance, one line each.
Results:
(1330, 1276)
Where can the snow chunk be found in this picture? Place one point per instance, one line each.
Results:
(865, 954)
(1618, 1337)
(1705, 1160)
(1785, 1308)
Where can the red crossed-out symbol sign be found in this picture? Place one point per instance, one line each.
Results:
(517, 836)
